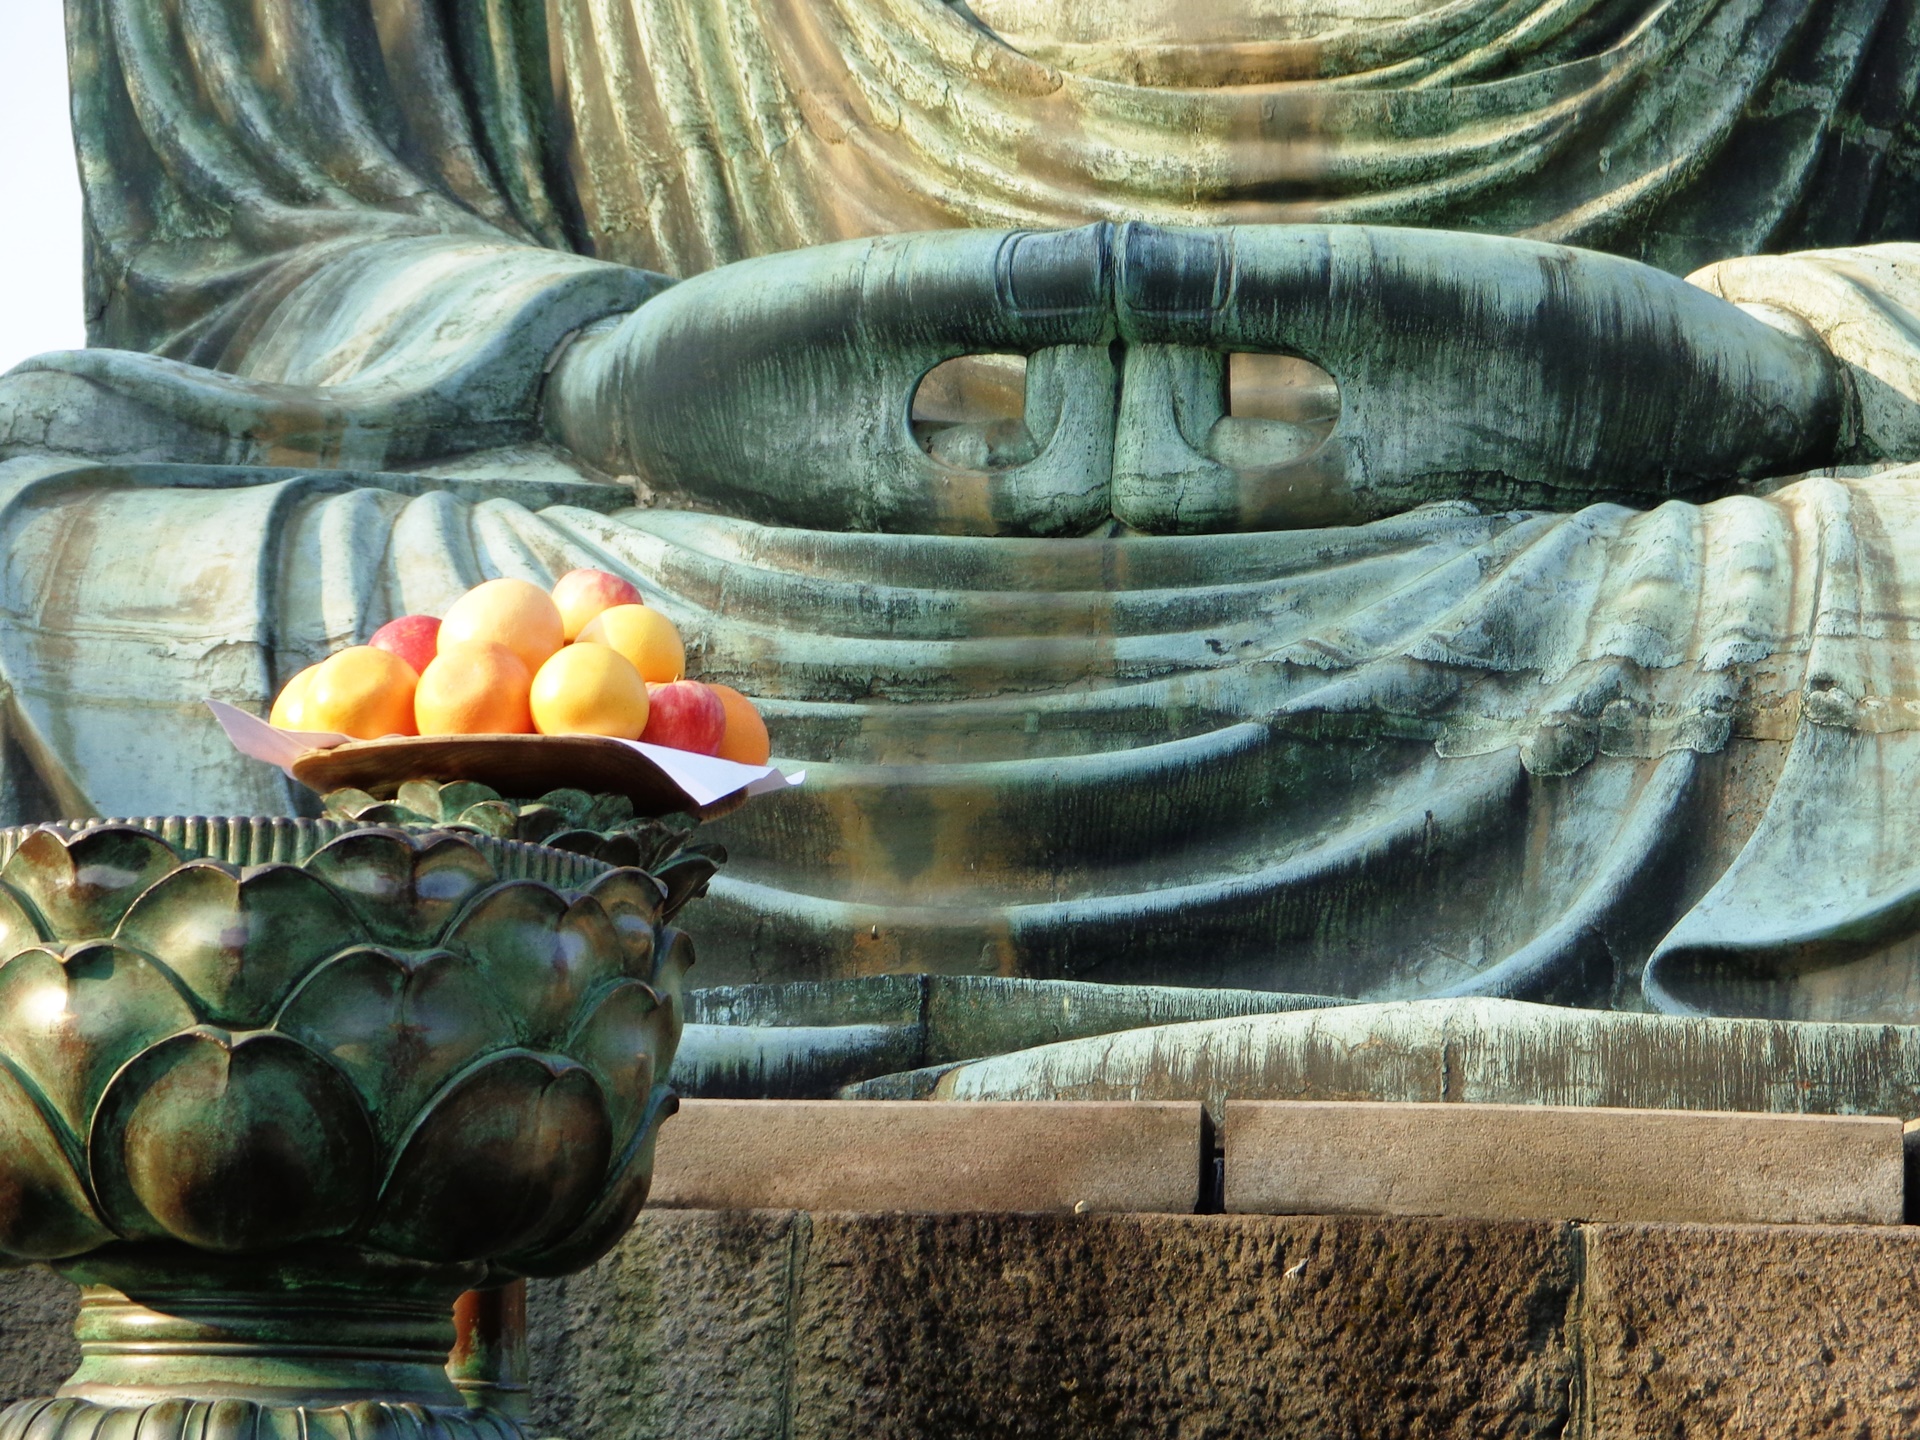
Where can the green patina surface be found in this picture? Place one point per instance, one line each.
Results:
(276, 1116)
(1529, 622)
(1363, 577)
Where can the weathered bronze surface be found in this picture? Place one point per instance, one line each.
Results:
(525, 764)
(1542, 626)
(277, 1116)
(601, 826)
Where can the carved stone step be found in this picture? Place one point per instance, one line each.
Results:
(930, 1156)
(1549, 1162)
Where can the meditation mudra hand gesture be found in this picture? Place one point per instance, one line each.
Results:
(1496, 370)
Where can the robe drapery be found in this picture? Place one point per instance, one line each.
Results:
(1595, 758)
(674, 137)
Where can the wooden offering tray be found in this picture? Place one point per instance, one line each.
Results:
(523, 765)
(657, 779)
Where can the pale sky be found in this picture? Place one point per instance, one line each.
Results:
(40, 297)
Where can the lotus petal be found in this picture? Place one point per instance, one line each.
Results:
(81, 887)
(607, 810)
(232, 1144)
(45, 1213)
(543, 953)
(574, 804)
(495, 818)
(507, 1157)
(622, 1042)
(535, 822)
(347, 803)
(686, 877)
(619, 848)
(69, 1024)
(398, 1025)
(660, 837)
(593, 845)
(673, 959)
(612, 1213)
(405, 894)
(386, 812)
(458, 795)
(240, 943)
(19, 927)
(632, 899)
(422, 797)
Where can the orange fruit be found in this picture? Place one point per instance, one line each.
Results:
(645, 636)
(583, 594)
(290, 709)
(475, 688)
(745, 738)
(362, 692)
(589, 690)
(515, 613)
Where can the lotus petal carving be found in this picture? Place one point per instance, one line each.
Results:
(672, 958)
(619, 1202)
(19, 927)
(240, 942)
(398, 1025)
(544, 951)
(45, 1212)
(81, 887)
(71, 1021)
(403, 893)
(628, 1033)
(397, 1045)
(507, 1157)
(232, 1144)
(635, 902)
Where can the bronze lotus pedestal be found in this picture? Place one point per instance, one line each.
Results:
(276, 1092)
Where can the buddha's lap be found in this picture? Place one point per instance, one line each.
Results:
(1193, 760)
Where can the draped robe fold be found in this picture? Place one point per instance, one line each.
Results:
(1605, 758)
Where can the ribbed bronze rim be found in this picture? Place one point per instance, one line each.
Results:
(289, 840)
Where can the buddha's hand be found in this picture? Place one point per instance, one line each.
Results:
(1503, 371)
(781, 388)
(1499, 370)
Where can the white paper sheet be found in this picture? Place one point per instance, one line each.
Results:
(705, 778)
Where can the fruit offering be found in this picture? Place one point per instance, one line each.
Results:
(685, 715)
(474, 687)
(508, 658)
(583, 594)
(589, 690)
(645, 637)
(743, 737)
(414, 638)
(362, 692)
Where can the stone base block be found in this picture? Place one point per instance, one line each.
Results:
(894, 1326)
(929, 1156)
(1765, 1331)
(782, 1325)
(914, 1327)
(37, 1347)
(1504, 1162)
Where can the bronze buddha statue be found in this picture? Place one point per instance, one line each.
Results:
(1383, 576)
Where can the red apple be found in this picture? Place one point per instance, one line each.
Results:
(412, 637)
(583, 594)
(685, 715)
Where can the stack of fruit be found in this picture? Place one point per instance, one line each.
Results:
(510, 659)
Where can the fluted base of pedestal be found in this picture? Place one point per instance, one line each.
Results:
(318, 1343)
(69, 1418)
